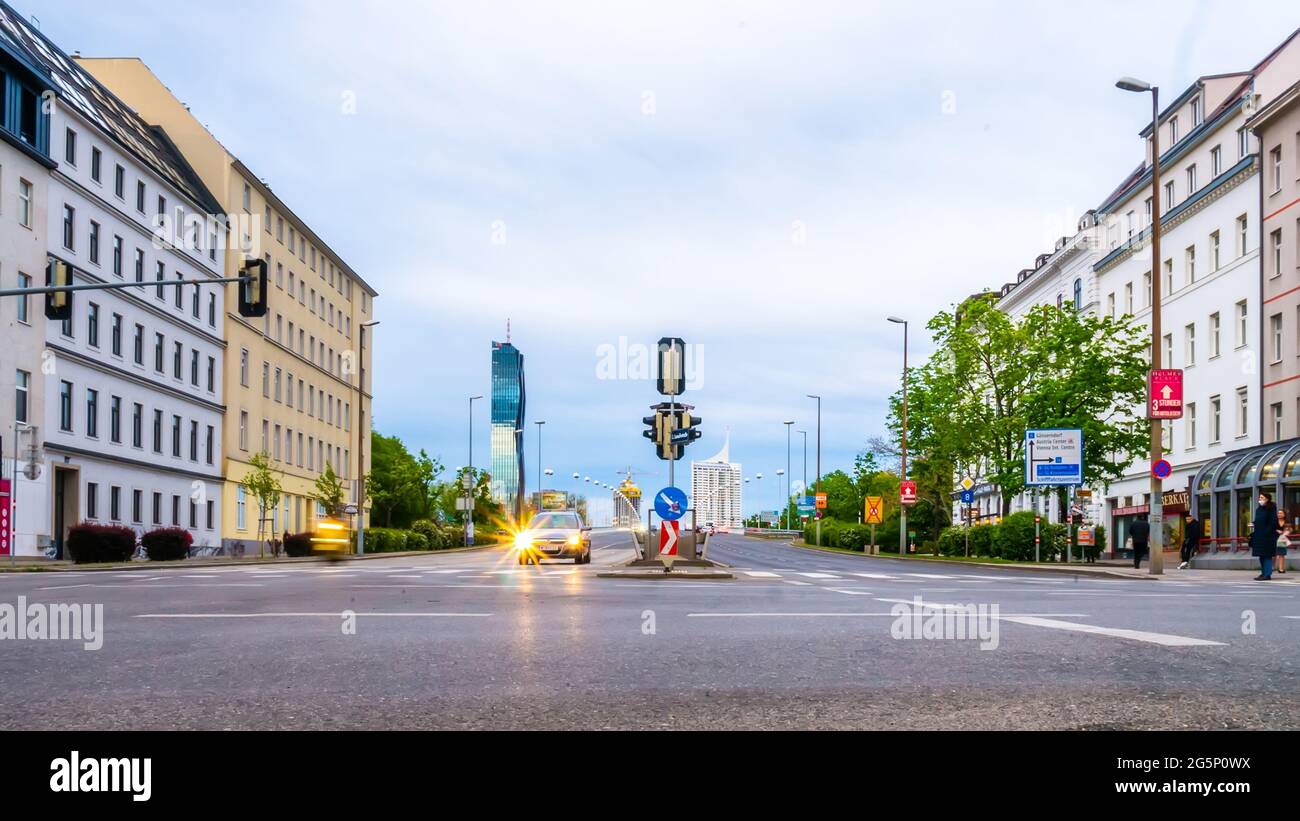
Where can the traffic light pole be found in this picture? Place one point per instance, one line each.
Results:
(107, 286)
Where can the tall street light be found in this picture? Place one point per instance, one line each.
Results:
(804, 434)
(902, 509)
(362, 429)
(469, 493)
(539, 463)
(817, 513)
(1156, 516)
(786, 508)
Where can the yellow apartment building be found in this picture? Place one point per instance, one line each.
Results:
(297, 382)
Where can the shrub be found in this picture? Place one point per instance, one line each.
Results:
(100, 543)
(1014, 537)
(167, 544)
(426, 528)
(952, 541)
(297, 545)
(416, 540)
(385, 540)
(853, 537)
(981, 540)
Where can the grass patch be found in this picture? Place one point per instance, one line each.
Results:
(927, 557)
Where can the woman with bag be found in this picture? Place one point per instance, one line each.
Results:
(1264, 535)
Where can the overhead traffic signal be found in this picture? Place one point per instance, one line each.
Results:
(671, 429)
(252, 291)
(58, 304)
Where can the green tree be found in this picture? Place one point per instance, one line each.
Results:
(330, 492)
(263, 482)
(427, 472)
(394, 483)
(992, 377)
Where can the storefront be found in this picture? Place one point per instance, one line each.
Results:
(1174, 505)
(1225, 491)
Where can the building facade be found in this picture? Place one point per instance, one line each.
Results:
(25, 166)
(716, 490)
(297, 380)
(133, 408)
(508, 403)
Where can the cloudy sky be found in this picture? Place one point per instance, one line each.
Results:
(767, 180)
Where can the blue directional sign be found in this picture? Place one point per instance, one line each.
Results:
(1053, 456)
(968, 497)
(670, 504)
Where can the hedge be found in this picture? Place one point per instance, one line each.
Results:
(89, 542)
(167, 544)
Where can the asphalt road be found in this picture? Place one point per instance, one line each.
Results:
(801, 639)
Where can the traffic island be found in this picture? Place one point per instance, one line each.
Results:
(682, 569)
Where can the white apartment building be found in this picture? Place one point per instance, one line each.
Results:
(1210, 279)
(24, 174)
(715, 490)
(133, 410)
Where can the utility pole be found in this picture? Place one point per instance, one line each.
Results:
(819, 464)
(788, 425)
(902, 509)
(362, 429)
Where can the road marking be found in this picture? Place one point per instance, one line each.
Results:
(761, 574)
(403, 576)
(335, 614)
(157, 586)
(1164, 639)
(819, 575)
(801, 584)
(437, 586)
(929, 576)
(851, 615)
(850, 592)
(873, 575)
(454, 570)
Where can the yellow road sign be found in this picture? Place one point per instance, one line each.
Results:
(875, 514)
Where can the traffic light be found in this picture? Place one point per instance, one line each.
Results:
(687, 422)
(58, 304)
(252, 293)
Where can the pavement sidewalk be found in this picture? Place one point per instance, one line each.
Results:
(31, 564)
(1104, 569)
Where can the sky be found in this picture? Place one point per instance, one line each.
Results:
(766, 180)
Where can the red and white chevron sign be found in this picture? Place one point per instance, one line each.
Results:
(668, 539)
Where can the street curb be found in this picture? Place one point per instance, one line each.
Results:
(1066, 570)
(662, 576)
(192, 563)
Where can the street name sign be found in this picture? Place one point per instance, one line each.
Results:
(1165, 394)
(1053, 456)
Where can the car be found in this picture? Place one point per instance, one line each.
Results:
(555, 534)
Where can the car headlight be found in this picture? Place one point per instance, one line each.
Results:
(575, 540)
(523, 541)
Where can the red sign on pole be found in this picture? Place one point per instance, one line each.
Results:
(6, 522)
(907, 492)
(668, 536)
(1165, 394)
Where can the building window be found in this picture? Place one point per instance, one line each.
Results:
(1196, 112)
(1275, 336)
(1110, 304)
(1214, 251)
(266, 379)
(212, 374)
(243, 430)
(241, 505)
(1275, 168)
(1146, 286)
(1168, 269)
(1173, 130)
(65, 406)
(22, 388)
(137, 425)
(178, 354)
(70, 147)
(23, 304)
(1275, 416)
(139, 196)
(69, 224)
(114, 503)
(137, 506)
(210, 517)
(1275, 252)
(194, 367)
(1191, 179)
(92, 500)
(157, 431)
(1167, 350)
(119, 182)
(1078, 306)
(1243, 235)
(115, 419)
(1243, 143)
(157, 508)
(1243, 409)
(92, 413)
(1216, 161)
(1189, 344)
(1190, 432)
(1241, 324)
(176, 436)
(92, 325)
(1169, 198)
(176, 510)
(137, 343)
(24, 203)
(1216, 419)
(243, 367)
(194, 440)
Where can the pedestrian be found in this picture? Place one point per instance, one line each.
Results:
(1283, 542)
(1191, 539)
(1140, 533)
(1263, 536)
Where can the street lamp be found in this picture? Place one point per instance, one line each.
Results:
(804, 434)
(786, 509)
(819, 462)
(779, 473)
(1156, 516)
(539, 463)
(362, 428)
(469, 513)
(902, 509)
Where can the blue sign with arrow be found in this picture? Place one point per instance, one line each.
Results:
(670, 504)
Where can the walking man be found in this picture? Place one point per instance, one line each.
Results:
(1191, 539)
(1140, 533)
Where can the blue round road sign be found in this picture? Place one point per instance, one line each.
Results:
(670, 504)
(1161, 469)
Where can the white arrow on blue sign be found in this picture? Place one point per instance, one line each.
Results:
(670, 504)
(1053, 456)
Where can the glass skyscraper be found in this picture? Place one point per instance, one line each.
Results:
(507, 418)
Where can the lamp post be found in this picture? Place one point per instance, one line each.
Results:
(804, 434)
(819, 464)
(786, 509)
(902, 509)
(1156, 516)
(361, 433)
(539, 463)
(469, 493)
